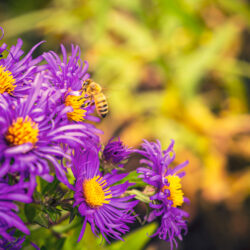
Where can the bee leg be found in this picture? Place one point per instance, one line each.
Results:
(85, 85)
(88, 103)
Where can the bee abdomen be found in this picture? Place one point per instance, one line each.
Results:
(101, 104)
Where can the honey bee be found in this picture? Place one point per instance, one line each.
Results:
(94, 92)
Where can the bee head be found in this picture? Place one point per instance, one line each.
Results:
(95, 87)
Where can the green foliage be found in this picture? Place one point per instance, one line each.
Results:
(30, 211)
(132, 177)
(136, 239)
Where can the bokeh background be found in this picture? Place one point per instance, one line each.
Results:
(170, 69)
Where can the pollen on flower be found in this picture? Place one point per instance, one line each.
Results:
(7, 82)
(176, 194)
(22, 131)
(94, 193)
(76, 102)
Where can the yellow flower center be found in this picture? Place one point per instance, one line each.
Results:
(94, 193)
(76, 102)
(22, 131)
(6, 81)
(176, 194)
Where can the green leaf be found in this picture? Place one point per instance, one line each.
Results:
(53, 213)
(66, 206)
(30, 211)
(50, 187)
(89, 241)
(37, 196)
(59, 243)
(135, 240)
(73, 213)
(65, 227)
(22, 23)
(133, 178)
(42, 220)
(176, 9)
(139, 195)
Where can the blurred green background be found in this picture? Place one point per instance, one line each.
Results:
(170, 69)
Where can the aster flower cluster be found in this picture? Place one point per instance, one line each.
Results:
(36, 134)
(45, 133)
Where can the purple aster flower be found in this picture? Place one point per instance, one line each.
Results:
(100, 200)
(8, 217)
(16, 73)
(67, 76)
(115, 152)
(168, 195)
(31, 138)
(15, 244)
(68, 72)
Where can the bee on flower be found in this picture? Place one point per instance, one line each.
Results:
(66, 76)
(94, 94)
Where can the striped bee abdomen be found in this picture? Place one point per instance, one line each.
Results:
(101, 104)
